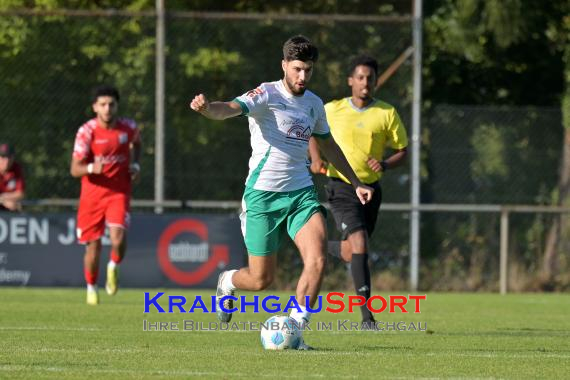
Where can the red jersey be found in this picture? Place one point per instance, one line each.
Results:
(12, 180)
(112, 147)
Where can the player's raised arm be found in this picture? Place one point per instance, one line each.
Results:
(215, 110)
(335, 155)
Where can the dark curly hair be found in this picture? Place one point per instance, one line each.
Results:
(105, 90)
(299, 48)
(362, 60)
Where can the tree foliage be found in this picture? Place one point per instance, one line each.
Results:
(477, 52)
(52, 62)
(514, 53)
(493, 52)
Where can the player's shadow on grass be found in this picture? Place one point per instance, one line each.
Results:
(372, 348)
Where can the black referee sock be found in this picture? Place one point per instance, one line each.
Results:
(361, 278)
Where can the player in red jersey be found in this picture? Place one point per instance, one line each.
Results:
(105, 156)
(11, 180)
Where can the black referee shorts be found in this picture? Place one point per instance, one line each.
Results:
(349, 214)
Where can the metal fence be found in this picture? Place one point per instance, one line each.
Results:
(470, 155)
(498, 155)
(51, 60)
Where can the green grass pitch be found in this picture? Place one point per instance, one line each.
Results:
(52, 333)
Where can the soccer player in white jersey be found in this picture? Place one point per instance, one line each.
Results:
(279, 193)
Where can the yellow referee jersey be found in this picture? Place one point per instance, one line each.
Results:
(363, 133)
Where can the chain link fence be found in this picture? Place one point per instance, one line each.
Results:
(50, 63)
(493, 155)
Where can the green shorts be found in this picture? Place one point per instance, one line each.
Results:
(266, 215)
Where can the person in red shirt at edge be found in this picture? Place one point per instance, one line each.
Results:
(105, 156)
(11, 180)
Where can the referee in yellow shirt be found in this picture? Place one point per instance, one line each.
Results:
(363, 127)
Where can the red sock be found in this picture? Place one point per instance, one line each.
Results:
(115, 257)
(91, 277)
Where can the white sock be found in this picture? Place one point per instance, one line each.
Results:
(301, 317)
(112, 264)
(91, 288)
(227, 283)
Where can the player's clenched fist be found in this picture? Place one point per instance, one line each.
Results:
(97, 166)
(364, 193)
(200, 103)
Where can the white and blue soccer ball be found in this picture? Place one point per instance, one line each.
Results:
(280, 333)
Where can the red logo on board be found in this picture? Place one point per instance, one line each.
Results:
(220, 253)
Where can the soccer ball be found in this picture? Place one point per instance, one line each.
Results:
(280, 333)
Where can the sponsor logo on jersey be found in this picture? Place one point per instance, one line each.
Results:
(111, 159)
(298, 132)
(11, 185)
(253, 93)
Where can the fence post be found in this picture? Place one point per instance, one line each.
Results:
(504, 239)
(416, 142)
(159, 109)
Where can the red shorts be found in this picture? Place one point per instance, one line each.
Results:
(93, 214)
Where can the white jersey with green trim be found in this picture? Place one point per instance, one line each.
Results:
(280, 125)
